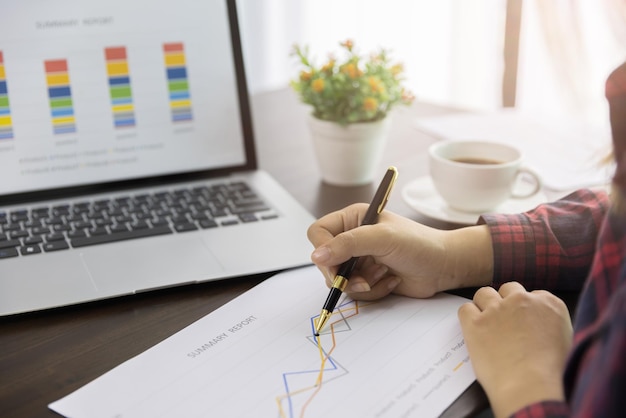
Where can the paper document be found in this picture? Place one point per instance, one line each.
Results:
(565, 154)
(257, 357)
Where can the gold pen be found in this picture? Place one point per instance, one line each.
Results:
(345, 270)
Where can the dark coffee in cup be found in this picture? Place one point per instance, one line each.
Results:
(482, 161)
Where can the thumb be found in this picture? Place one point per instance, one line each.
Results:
(356, 242)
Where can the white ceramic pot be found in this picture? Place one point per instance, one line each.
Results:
(349, 155)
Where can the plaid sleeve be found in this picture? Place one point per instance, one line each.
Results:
(550, 247)
(596, 376)
(545, 409)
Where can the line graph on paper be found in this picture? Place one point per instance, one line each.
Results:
(394, 357)
(301, 386)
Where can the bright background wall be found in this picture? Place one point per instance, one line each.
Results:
(452, 49)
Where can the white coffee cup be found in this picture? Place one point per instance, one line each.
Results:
(477, 176)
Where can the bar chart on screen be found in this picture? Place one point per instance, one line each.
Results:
(85, 87)
(92, 92)
(60, 94)
(177, 81)
(258, 356)
(119, 87)
(6, 125)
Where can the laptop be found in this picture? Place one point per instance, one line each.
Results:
(127, 155)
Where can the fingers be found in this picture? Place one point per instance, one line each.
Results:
(336, 237)
(367, 278)
(382, 288)
(488, 296)
(369, 283)
(467, 311)
(485, 297)
(394, 244)
(333, 224)
(367, 273)
(509, 288)
(342, 247)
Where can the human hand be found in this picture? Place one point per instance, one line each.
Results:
(518, 342)
(399, 255)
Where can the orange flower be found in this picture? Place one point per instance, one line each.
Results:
(370, 104)
(348, 44)
(397, 69)
(318, 85)
(305, 75)
(375, 84)
(351, 70)
(328, 67)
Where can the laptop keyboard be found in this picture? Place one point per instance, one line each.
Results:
(60, 227)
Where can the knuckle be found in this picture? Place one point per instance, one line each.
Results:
(347, 239)
(483, 290)
(311, 230)
(463, 309)
(521, 298)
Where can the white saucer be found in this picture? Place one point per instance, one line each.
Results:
(421, 195)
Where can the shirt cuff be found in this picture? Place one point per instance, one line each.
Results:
(545, 409)
(514, 251)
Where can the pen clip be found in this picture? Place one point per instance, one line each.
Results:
(387, 184)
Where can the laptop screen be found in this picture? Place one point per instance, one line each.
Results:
(97, 92)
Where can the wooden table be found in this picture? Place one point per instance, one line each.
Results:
(47, 355)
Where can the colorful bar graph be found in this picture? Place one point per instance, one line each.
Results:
(60, 95)
(6, 124)
(119, 87)
(177, 82)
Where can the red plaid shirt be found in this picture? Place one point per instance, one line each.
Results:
(579, 243)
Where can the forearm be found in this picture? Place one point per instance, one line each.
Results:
(469, 261)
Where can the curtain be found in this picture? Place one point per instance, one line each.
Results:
(568, 49)
(452, 49)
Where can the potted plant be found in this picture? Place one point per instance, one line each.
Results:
(351, 99)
